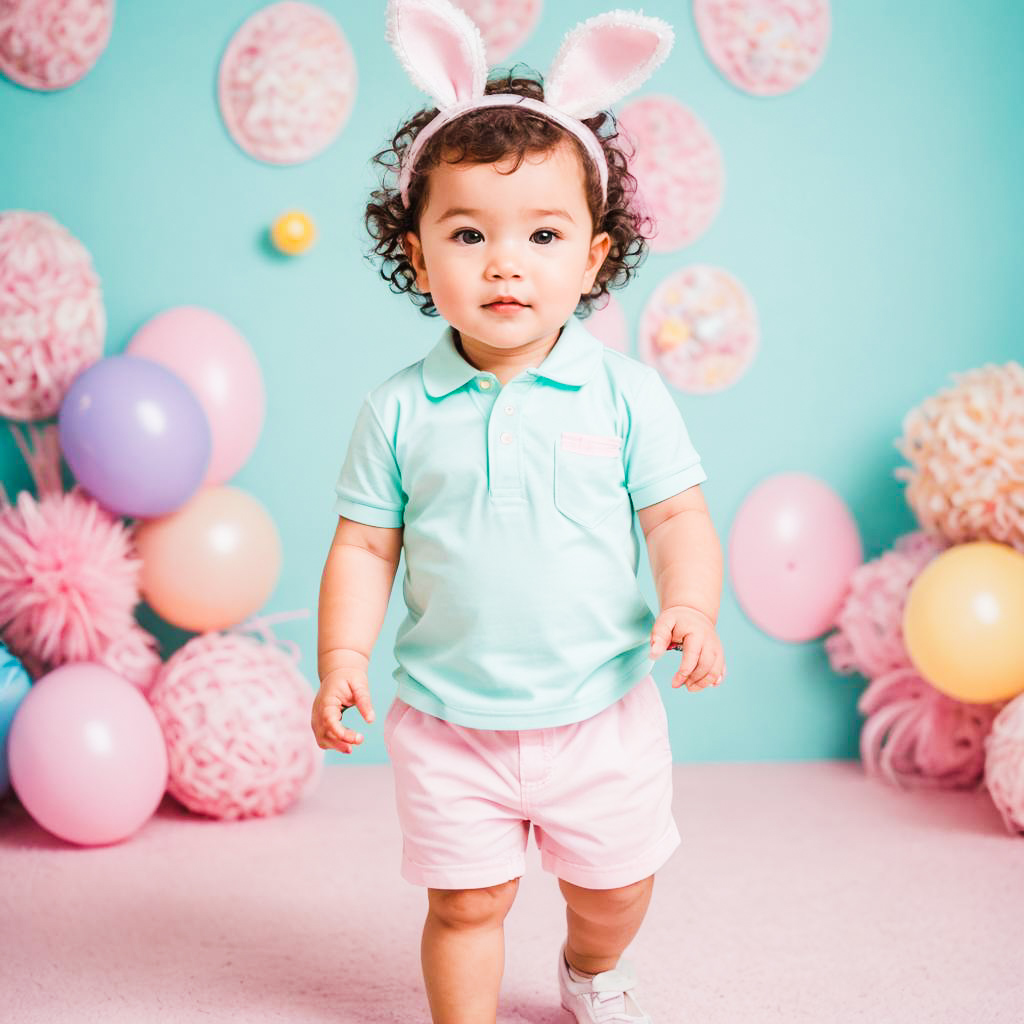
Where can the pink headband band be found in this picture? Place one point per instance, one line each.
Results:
(601, 60)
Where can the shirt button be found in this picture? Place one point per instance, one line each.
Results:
(485, 384)
(506, 438)
(510, 409)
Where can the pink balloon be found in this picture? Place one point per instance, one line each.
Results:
(216, 362)
(87, 756)
(792, 548)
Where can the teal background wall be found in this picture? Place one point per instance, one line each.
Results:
(874, 215)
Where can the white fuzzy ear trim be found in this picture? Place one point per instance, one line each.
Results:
(605, 58)
(440, 48)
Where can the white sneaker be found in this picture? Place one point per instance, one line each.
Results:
(606, 998)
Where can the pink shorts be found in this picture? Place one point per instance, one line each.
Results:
(599, 794)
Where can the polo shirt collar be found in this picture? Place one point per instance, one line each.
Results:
(572, 360)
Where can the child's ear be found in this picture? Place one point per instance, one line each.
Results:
(599, 247)
(414, 253)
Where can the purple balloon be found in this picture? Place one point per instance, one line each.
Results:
(135, 436)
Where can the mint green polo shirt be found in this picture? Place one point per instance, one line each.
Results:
(521, 557)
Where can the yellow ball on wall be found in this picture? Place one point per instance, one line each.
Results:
(292, 232)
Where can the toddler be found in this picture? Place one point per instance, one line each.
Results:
(508, 464)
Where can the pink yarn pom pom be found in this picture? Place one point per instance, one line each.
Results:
(235, 715)
(917, 737)
(1004, 764)
(52, 320)
(68, 579)
(966, 446)
(870, 623)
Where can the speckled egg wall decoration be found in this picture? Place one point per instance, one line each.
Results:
(699, 329)
(51, 44)
(764, 47)
(287, 83)
(678, 167)
(504, 24)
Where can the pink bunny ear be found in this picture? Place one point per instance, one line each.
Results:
(440, 48)
(603, 59)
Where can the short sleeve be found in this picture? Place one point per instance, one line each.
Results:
(369, 488)
(660, 460)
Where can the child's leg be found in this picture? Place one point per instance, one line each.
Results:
(603, 922)
(463, 952)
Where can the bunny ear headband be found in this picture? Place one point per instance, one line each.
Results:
(601, 60)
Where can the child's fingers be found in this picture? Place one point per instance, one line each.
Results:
(691, 657)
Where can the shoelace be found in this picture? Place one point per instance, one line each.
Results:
(608, 997)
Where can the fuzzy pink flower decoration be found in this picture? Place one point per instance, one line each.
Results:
(869, 639)
(1004, 764)
(917, 737)
(69, 579)
(52, 320)
(235, 715)
(966, 446)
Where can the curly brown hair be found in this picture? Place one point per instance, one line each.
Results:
(494, 134)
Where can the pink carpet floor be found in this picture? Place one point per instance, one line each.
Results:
(802, 892)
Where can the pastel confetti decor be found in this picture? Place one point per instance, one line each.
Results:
(504, 24)
(699, 329)
(287, 83)
(52, 320)
(965, 447)
(608, 325)
(678, 167)
(764, 47)
(51, 44)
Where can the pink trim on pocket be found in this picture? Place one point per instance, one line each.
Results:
(591, 444)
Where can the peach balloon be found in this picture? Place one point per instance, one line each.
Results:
(212, 563)
(963, 623)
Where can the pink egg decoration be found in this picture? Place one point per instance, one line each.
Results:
(213, 358)
(1004, 764)
(235, 714)
(52, 320)
(678, 167)
(51, 44)
(792, 548)
(504, 24)
(87, 756)
(699, 329)
(965, 446)
(608, 324)
(287, 83)
(764, 47)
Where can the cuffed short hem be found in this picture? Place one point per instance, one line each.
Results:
(464, 876)
(591, 876)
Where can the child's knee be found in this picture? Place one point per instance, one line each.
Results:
(473, 908)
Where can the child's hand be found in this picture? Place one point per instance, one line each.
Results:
(703, 662)
(343, 687)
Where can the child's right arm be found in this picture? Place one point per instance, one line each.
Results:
(354, 592)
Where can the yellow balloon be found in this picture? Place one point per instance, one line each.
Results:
(963, 623)
(212, 563)
(292, 232)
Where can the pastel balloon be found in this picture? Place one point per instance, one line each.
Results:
(213, 563)
(14, 684)
(963, 622)
(135, 436)
(87, 755)
(792, 549)
(213, 358)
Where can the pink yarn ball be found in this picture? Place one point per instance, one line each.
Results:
(966, 447)
(1004, 764)
(917, 737)
(870, 623)
(52, 320)
(69, 580)
(235, 715)
(51, 44)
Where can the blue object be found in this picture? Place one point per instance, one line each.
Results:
(14, 684)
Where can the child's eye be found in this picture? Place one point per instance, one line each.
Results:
(551, 236)
(477, 237)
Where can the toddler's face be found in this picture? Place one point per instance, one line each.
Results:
(485, 235)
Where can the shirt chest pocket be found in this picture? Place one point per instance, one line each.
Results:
(589, 477)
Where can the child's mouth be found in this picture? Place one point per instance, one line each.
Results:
(504, 307)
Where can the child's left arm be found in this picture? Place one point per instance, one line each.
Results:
(687, 565)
